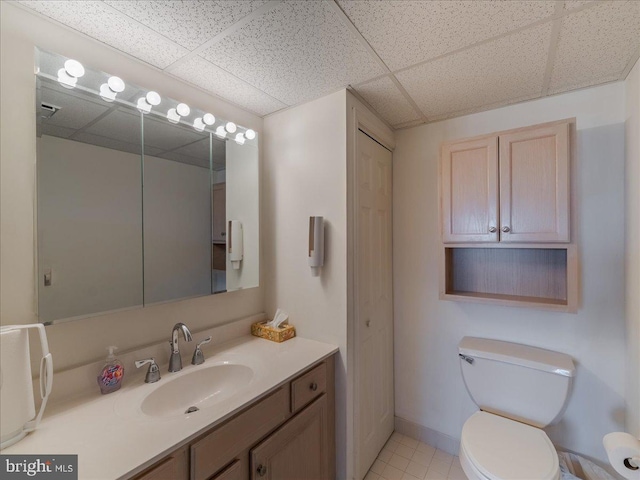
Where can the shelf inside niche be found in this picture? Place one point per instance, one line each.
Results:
(534, 277)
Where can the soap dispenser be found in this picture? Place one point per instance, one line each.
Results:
(110, 378)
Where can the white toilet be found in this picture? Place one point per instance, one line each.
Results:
(519, 390)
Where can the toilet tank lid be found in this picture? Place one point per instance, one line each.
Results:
(517, 354)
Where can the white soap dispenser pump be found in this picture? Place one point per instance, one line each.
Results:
(235, 243)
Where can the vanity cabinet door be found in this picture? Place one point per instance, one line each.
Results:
(232, 472)
(534, 185)
(298, 450)
(469, 191)
(172, 467)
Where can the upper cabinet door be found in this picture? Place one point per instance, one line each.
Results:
(469, 189)
(534, 185)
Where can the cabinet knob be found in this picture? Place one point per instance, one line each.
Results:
(262, 470)
(493, 229)
(506, 229)
(313, 387)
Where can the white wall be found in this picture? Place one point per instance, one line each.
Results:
(177, 230)
(80, 342)
(243, 200)
(428, 384)
(305, 174)
(632, 245)
(89, 201)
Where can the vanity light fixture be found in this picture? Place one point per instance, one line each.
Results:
(221, 132)
(151, 99)
(109, 90)
(208, 119)
(240, 138)
(250, 134)
(66, 80)
(230, 127)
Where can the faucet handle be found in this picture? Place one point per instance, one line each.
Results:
(153, 374)
(198, 356)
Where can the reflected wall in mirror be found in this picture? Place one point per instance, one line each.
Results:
(134, 204)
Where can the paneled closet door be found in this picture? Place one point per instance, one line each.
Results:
(374, 411)
(469, 191)
(534, 185)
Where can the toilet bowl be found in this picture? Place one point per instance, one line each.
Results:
(519, 390)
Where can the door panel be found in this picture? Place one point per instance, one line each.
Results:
(374, 411)
(534, 185)
(469, 190)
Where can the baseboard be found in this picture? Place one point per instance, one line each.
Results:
(427, 435)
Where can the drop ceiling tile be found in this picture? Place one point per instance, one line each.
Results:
(55, 131)
(596, 45)
(404, 33)
(573, 4)
(203, 74)
(160, 133)
(121, 124)
(100, 21)
(385, 97)
(188, 23)
(504, 70)
(111, 143)
(296, 52)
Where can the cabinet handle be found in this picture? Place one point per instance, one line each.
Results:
(313, 387)
(262, 470)
(506, 229)
(493, 229)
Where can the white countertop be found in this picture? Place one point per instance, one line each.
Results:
(114, 439)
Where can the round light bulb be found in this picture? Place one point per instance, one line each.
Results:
(183, 110)
(209, 119)
(221, 132)
(143, 106)
(198, 125)
(74, 68)
(66, 80)
(115, 84)
(153, 98)
(240, 139)
(230, 127)
(172, 116)
(106, 93)
(250, 134)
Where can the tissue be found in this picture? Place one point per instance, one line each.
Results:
(623, 451)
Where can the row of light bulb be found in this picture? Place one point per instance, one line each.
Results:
(68, 78)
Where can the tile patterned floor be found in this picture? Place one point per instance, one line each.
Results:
(404, 458)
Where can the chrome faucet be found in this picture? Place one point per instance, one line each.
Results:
(175, 362)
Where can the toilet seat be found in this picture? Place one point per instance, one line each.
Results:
(497, 448)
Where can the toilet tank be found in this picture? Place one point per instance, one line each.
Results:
(527, 384)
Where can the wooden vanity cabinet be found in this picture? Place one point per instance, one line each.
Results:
(505, 211)
(288, 434)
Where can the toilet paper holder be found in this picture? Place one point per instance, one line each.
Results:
(623, 451)
(632, 463)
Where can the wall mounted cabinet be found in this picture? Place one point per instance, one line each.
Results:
(506, 219)
(509, 187)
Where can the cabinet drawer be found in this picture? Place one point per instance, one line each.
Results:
(309, 386)
(214, 451)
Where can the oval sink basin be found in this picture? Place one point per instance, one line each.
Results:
(196, 390)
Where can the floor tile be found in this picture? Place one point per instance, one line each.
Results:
(385, 455)
(456, 473)
(392, 444)
(392, 473)
(399, 462)
(372, 476)
(378, 467)
(425, 448)
(409, 442)
(423, 458)
(404, 451)
(440, 466)
(435, 475)
(443, 457)
(407, 476)
(416, 469)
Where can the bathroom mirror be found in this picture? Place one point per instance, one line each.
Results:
(133, 207)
